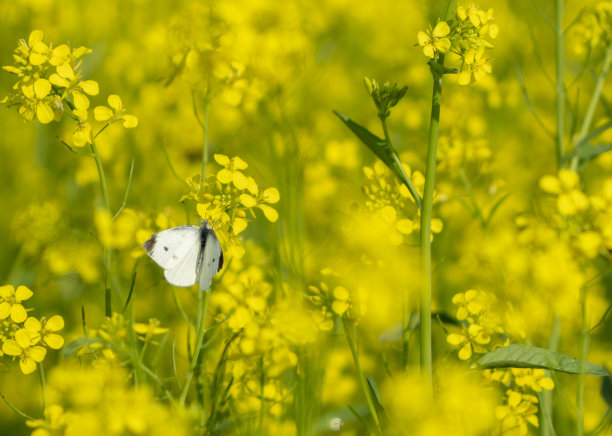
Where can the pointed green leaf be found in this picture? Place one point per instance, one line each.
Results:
(378, 145)
(375, 393)
(525, 356)
(384, 151)
(588, 152)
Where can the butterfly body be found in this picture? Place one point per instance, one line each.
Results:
(188, 254)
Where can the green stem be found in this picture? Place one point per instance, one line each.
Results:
(425, 236)
(43, 386)
(560, 86)
(15, 409)
(588, 116)
(405, 178)
(262, 405)
(584, 345)
(107, 251)
(203, 125)
(201, 330)
(362, 380)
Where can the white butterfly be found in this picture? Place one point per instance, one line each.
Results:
(188, 254)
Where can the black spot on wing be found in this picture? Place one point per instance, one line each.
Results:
(220, 262)
(165, 248)
(150, 244)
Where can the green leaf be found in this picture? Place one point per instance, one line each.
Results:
(384, 151)
(375, 393)
(379, 146)
(588, 152)
(525, 356)
(73, 347)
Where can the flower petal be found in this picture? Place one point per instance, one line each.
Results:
(102, 113)
(129, 121)
(90, 87)
(44, 113)
(18, 313)
(55, 323)
(115, 102)
(11, 348)
(42, 87)
(54, 341)
(271, 195)
(27, 365)
(222, 159)
(270, 213)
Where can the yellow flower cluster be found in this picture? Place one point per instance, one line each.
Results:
(99, 401)
(594, 30)
(481, 323)
(24, 336)
(337, 301)
(228, 197)
(585, 220)
(483, 332)
(50, 83)
(390, 199)
(265, 337)
(465, 36)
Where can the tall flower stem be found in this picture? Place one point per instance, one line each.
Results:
(362, 380)
(560, 85)
(203, 296)
(448, 11)
(425, 236)
(107, 251)
(584, 346)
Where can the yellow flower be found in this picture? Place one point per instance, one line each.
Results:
(103, 113)
(38, 101)
(10, 302)
(520, 409)
(147, 331)
(46, 330)
(436, 40)
(474, 67)
(23, 346)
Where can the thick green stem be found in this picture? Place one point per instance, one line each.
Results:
(43, 386)
(425, 236)
(203, 297)
(584, 345)
(107, 251)
(362, 380)
(560, 87)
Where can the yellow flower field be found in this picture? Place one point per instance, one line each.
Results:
(305, 218)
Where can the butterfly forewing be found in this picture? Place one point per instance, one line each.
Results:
(169, 247)
(211, 261)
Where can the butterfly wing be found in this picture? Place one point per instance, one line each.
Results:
(169, 247)
(185, 272)
(211, 261)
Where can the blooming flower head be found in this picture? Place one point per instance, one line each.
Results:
(46, 330)
(436, 40)
(24, 346)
